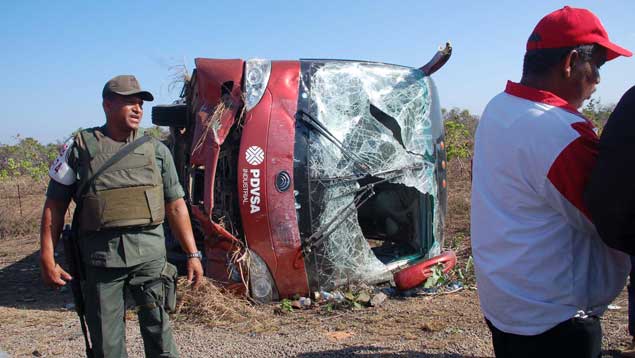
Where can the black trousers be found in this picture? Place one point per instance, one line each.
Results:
(573, 338)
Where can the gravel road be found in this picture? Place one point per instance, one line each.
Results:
(36, 322)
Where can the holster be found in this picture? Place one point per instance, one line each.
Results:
(169, 276)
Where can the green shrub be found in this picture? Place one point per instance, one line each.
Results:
(460, 126)
(26, 158)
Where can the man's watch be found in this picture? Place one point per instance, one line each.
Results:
(196, 254)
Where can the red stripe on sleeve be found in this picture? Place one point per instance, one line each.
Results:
(570, 172)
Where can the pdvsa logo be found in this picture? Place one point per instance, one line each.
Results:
(254, 155)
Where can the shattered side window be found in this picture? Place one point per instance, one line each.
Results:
(370, 126)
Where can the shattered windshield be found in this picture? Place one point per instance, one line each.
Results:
(372, 133)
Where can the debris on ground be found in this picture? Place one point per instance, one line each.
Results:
(378, 299)
(301, 303)
(364, 298)
(359, 297)
(446, 288)
(218, 307)
(438, 282)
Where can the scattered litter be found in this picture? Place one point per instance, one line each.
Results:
(301, 303)
(378, 299)
(327, 296)
(445, 289)
(350, 296)
(338, 296)
(305, 302)
(355, 298)
(296, 304)
(614, 307)
(358, 297)
(364, 298)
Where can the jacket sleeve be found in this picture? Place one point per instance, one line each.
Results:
(63, 173)
(568, 175)
(610, 193)
(172, 188)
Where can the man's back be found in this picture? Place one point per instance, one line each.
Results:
(534, 247)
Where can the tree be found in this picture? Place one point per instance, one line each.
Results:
(157, 132)
(597, 112)
(460, 126)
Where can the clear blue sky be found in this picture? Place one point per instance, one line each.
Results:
(57, 55)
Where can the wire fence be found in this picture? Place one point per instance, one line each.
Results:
(21, 201)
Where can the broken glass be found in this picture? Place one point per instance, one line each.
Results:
(372, 124)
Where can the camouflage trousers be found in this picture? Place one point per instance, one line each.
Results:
(105, 292)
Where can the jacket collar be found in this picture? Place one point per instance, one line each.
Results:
(537, 95)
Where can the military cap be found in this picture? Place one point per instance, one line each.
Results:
(126, 85)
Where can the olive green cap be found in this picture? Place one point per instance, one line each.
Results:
(126, 85)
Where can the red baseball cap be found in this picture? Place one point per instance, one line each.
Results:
(568, 27)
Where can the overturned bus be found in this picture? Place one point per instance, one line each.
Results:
(306, 175)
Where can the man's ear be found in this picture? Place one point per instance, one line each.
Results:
(105, 104)
(569, 63)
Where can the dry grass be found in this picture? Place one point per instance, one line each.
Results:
(457, 220)
(179, 76)
(213, 306)
(211, 124)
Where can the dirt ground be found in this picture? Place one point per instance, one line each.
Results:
(36, 322)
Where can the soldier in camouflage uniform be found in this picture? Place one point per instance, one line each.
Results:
(121, 237)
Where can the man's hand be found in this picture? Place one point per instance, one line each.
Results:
(55, 276)
(194, 272)
(179, 219)
(50, 229)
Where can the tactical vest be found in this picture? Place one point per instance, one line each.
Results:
(127, 194)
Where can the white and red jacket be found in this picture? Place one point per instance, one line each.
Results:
(537, 256)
